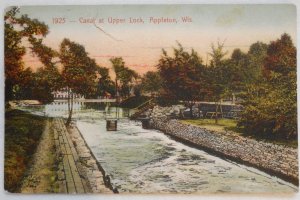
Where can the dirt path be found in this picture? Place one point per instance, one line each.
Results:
(41, 175)
(64, 164)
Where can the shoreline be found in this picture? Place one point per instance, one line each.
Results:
(231, 154)
(80, 172)
(106, 178)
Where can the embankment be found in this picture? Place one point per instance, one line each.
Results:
(92, 168)
(23, 133)
(274, 159)
(79, 166)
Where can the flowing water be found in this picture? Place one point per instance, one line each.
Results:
(147, 161)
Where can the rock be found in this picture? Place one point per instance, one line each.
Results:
(261, 154)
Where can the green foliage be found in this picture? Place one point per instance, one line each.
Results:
(22, 135)
(182, 75)
(241, 70)
(219, 73)
(124, 76)
(264, 77)
(166, 99)
(13, 53)
(79, 72)
(281, 56)
(217, 54)
(18, 29)
(256, 58)
(26, 90)
(224, 124)
(105, 84)
(137, 89)
(270, 107)
(151, 82)
(22, 83)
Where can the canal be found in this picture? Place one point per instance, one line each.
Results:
(147, 161)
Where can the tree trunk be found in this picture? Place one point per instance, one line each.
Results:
(68, 100)
(216, 114)
(199, 110)
(221, 109)
(191, 110)
(70, 107)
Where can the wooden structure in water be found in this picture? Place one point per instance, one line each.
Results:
(142, 108)
(111, 124)
(145, 122)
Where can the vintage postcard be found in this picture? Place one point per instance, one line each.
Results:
(151, 99)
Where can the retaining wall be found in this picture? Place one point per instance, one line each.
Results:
(274, 159)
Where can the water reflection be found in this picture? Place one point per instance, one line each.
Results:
(94, 110)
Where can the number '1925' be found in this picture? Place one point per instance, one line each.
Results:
(58, 20)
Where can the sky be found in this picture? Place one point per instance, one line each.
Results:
(140, 44)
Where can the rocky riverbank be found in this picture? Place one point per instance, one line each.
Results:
(275, 159)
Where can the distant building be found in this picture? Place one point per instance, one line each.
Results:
(63, 94)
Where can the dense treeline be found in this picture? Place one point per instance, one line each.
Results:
(264, 79)
(271, 104)
(23, 83)
(80, 74)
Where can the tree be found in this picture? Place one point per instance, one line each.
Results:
(219, 75)
(137, 90)
(270, 108)
(182, 76)
(47, 78)
(151, 82)
(18, 29)
(79, 72)
(24, 90)
(45, 81)
(244, 70)
(237, 71)
(217, 54)
(256, 58)
(281, 57)
(105, 84)
(13, 53)
(124, 76)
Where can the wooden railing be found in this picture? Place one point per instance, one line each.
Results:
(142, 108)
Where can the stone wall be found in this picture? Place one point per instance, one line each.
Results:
(274, 159)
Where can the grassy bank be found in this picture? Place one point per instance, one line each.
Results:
(223, 124)
(22, 135)
(230, 125)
